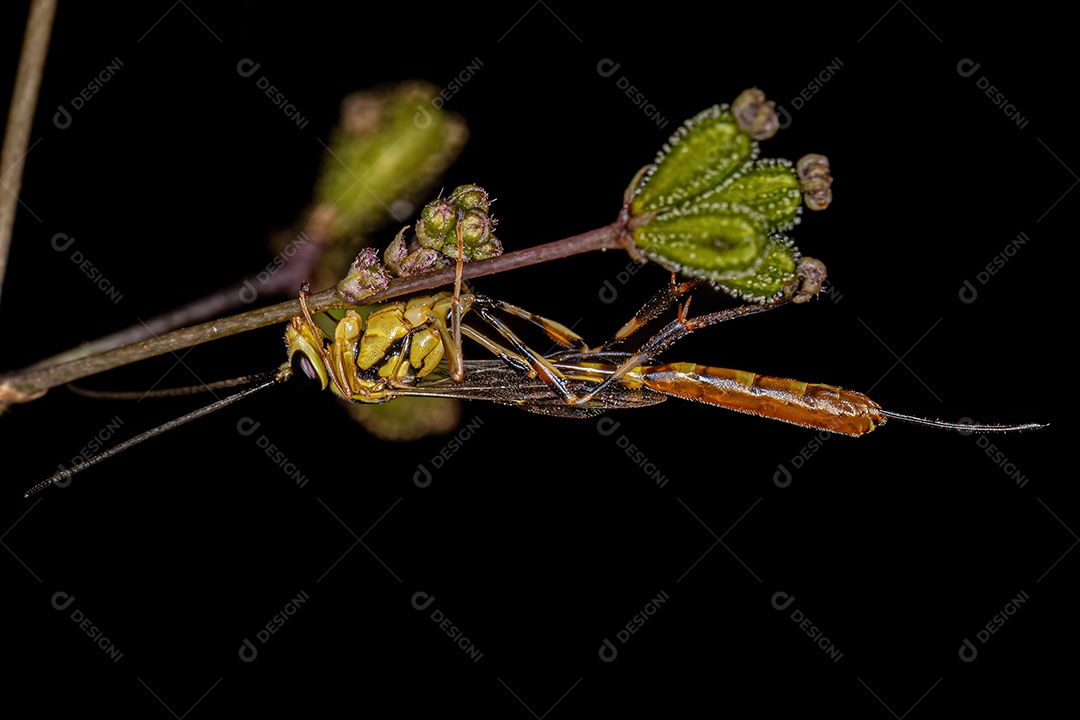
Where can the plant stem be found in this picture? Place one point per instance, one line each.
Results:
(31, 383)
(35, 47)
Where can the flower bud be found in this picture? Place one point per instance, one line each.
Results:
(709, 209)
(725, 243)
(755, 115)
(436, 220)
(366, 277)
(401, 262)
(769, 188)
(809, 278)
(470, 197)
(815, 180)
(697, 157)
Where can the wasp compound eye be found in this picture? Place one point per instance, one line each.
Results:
(303, 367)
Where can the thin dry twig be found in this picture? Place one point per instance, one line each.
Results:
(39, 24)
(31, 383)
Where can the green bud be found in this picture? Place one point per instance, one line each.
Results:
(402, 263)
(437, 229)
(470, 197)
(815, 180)
(727, 244)
(810, 277)
(366, 277)
(475, 228)
(489, 247)
(771, 275)
(755, 115)
(438, 217)
(697, 158)
(707, 208)
(769, 188)
(709, 239)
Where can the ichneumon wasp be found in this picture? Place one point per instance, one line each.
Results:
(414, 348)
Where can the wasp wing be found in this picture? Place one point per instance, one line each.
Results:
(494, 381)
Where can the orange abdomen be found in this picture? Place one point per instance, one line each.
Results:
(807, 404)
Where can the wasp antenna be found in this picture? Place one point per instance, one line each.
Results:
(166, 392)
(960, 426)
(279, 376)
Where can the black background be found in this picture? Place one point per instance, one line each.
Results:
(540, 538)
